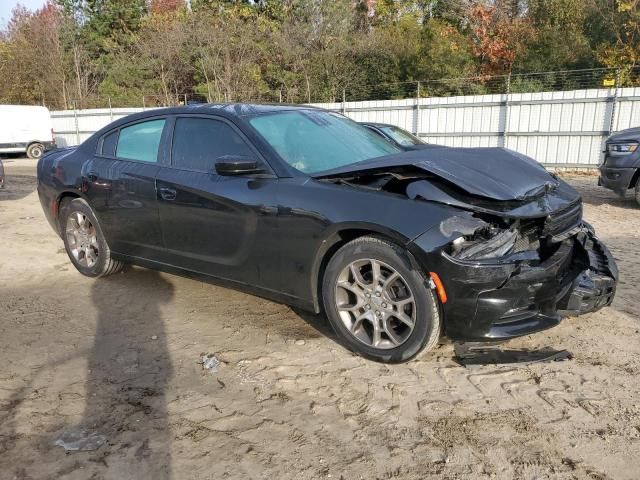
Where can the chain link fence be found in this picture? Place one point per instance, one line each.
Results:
(497, 84)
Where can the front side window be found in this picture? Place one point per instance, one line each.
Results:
(198, 142)
(313, 141)
(140, 141)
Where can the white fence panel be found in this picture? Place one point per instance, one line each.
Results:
(73, 127)
(556, 128)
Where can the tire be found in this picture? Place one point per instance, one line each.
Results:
(353, 314)
(35, 151)
(84, 241)
(637, 192)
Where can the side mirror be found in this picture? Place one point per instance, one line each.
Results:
(237, 165)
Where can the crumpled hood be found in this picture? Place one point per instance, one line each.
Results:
(495, 173)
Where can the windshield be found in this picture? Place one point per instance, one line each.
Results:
(313, 141)
(401, 136)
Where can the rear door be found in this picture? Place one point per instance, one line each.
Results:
(120, 183)
(221, 226)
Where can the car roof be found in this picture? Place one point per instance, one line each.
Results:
(231, 109)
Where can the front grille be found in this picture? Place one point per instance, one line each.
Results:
(564, 220)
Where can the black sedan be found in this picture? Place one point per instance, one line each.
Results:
(309, 208)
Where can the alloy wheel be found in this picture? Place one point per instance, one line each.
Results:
(82, 239)
(375, 303)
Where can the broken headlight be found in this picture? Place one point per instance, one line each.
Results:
(492, 244)
(475, 239)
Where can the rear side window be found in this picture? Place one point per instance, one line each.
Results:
(140, 141)
(198, 142)
(109, 143)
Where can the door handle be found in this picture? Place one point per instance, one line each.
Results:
(168, 194)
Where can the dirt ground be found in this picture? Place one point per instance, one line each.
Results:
(121, 357)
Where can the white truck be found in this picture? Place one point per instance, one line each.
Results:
(25, 128)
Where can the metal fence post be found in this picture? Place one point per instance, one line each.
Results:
(110, 111)
(614, 103)
(143, 104)
(75, 118)
(417, 111)
(505, 132)
(344, 100)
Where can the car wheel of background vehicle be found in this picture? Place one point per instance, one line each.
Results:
(84, 241)
(637, 192)
(379, 302)
(35, 151)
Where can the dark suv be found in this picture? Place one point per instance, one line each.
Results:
(621, 167)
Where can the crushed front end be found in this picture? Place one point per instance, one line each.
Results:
(507, 276)
(514, 257)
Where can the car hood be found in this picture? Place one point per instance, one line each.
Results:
(493, 173)
(628, 134)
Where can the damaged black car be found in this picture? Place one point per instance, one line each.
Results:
(306, 207)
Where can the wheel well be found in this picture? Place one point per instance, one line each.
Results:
(634, 180)
(338, 240)
(64, 197)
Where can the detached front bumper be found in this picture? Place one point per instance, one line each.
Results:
(515, 296)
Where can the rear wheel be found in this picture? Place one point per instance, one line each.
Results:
(35, 150)
(84, 242)
(378, 302)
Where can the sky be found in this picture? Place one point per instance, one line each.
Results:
(7, 5)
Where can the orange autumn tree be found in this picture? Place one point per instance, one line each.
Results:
(499, 33)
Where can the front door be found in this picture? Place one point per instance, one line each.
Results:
(221, 226)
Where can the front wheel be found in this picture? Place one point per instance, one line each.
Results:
(84, 242)
(379, 302)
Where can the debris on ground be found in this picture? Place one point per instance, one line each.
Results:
(80, 440)
(210, 362)
(474, 354)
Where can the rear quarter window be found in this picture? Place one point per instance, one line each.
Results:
(109, 143)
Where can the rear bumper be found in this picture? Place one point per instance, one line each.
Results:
(498, 301)
(616, 179)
